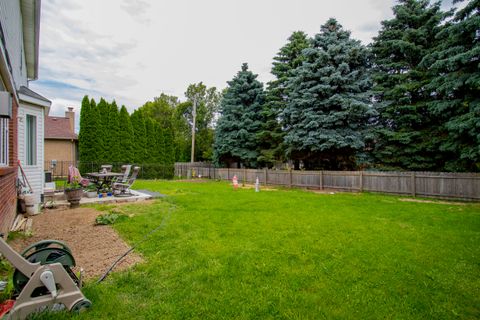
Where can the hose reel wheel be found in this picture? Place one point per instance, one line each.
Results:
(45, 253)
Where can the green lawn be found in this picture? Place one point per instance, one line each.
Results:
(291, 254)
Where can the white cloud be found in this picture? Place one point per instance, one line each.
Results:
(135, 49)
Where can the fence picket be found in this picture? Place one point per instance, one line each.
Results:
(464, 186)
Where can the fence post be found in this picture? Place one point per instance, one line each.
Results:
(266, 176)
(290, 174)
(414, 184)
(228, 173)
(361, 181)
(244, 176)
(321, 179)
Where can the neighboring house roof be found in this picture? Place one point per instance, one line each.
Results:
(58, 128)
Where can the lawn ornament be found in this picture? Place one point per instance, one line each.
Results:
(43, 280)
(235, 182)
(257, 185)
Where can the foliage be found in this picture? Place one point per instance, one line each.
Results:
(271, 136)
(329, 104)
(112, 145)
(6, 273)
(88, 143)
(162, 111)
(108, 218)
(91, 187)
(125, 136)
(236, 135)
(456, 89)
(140, 136)
(102, 131)
(292, 252)
(207, 104)
(406, 138)
(150, 141)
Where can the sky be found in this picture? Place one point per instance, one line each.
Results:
(133, 50)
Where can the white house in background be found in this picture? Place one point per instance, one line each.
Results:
(31, 114)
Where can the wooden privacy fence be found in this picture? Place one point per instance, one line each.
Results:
(465, 186)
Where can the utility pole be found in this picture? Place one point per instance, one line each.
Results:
(194, 113)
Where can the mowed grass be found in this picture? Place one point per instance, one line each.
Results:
(293, 254)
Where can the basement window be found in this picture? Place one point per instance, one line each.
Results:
(31, 140)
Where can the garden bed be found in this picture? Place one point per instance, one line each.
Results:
(94, 248)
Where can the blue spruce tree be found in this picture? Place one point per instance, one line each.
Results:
(236, 135)
(329, 105)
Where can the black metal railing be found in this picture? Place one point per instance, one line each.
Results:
(59, 169)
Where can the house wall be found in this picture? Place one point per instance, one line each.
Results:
(11, 24)
(8, 176)
(13, 74)
(34, 173)
(64, 151)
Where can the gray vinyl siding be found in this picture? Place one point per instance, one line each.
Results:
(11, 23)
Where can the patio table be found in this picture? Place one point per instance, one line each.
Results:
(104, 179)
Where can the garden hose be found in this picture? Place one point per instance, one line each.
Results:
(160, 226)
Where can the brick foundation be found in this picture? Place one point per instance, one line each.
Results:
(8, 176)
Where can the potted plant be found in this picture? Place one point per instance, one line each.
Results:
(73, 189)
(91, 190)
(73, 192)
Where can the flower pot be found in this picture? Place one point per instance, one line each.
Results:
(91, 194)
(73, 196)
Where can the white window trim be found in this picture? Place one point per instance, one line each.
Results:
(4, 142)
(26, 141)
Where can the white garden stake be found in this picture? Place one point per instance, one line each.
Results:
(257, 185)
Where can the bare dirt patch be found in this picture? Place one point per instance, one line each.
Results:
(332, 191)
(94, 248)
(252, 186)
(430, 201)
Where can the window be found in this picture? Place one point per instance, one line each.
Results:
(31, 140)
(3, 142)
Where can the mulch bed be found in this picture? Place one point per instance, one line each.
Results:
(94, 248)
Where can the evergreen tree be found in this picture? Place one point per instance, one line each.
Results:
(236, 136)
(125, 136)
(102, 131)
(159, 152)
(151, 140)
(456, 89)
(169, 147)
(182, 133)
(271, 136)
(113, 143)
(86, 141)
(406, 138)
(329, 103)
(139, 132)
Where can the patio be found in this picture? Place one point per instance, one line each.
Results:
(57, 199)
